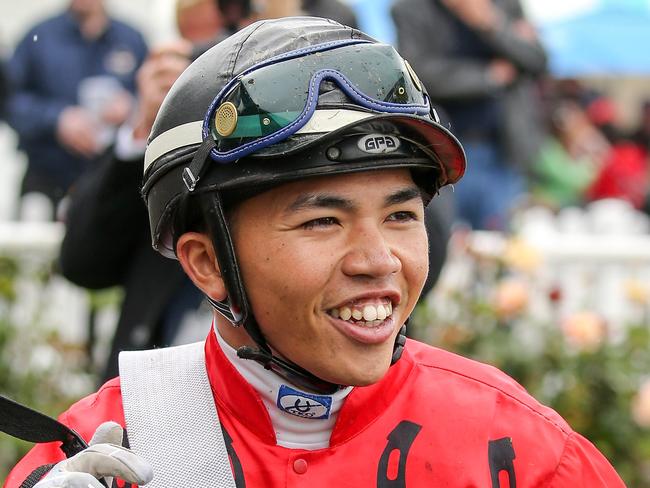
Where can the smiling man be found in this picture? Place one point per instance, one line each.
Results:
(288, 171)
(333, 264)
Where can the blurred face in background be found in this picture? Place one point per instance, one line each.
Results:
(86, 8)
(273, 9)
(198, 21)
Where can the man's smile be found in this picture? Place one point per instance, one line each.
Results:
(365, 313)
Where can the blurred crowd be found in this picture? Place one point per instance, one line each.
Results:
(587, 154)
(81, 90)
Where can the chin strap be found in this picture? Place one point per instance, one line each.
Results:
(289, 371)
(400, 342)
(301, 377)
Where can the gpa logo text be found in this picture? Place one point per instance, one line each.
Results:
(378, 144)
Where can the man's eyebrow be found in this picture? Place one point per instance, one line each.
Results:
(319, 200)
(403, 195)
(309, 201)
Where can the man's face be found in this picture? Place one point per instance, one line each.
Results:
(84, 8)
(333, 266)
(200, 22)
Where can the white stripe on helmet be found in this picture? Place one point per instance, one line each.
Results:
(191, 133)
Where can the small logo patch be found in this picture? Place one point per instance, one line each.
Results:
(378, 144)
(303, 404)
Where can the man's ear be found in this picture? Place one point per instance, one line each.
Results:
(199, 261)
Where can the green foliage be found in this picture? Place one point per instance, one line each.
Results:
(37, 368)
(592, 385)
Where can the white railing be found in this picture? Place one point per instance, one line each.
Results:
(52, 303)
(595, 259)
(34, 238)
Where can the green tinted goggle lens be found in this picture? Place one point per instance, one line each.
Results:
(274, 96)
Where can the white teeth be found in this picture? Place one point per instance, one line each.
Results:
(345, 313)
(369, 313)
(369, 316)
(381, 312)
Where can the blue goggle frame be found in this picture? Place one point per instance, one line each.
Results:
(358, 97)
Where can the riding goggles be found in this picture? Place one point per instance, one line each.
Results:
(274, 99)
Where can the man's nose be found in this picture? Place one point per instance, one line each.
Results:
(370, 254)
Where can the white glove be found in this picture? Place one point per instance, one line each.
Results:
(103, 458)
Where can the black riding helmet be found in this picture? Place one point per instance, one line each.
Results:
(283, 100)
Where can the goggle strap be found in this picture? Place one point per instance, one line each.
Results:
(310, 107)
(192, 173)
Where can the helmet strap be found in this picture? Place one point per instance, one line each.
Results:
(400, 341)
(288, 371)
(192, 173)
(301, 377)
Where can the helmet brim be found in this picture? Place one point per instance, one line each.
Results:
(431, 137)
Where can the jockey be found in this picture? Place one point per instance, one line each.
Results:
(288, 171)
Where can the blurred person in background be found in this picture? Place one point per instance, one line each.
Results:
(234, 13)
(72, 79)
(642, 134)
(479, 59)
(624, 168)
(569, 159)
(641, 137)
(106, 242)
(198, 22)
(587, 155)
(4, 88)
(331, 9)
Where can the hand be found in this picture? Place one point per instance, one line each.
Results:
(118, 109)
(502, 72)
(154, 79)
(77, 130)
(104, 458)
(480, 14)
(524, 30)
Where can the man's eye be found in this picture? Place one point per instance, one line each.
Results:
(403, 216)
(320, 223)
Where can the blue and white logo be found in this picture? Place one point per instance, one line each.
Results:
(305, 405)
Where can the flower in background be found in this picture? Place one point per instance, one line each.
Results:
(555, 294)
(637, 291)
(641, 405)
(520, 255)
(586, 330)
(510, 298)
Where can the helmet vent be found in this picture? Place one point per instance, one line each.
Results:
(225, 120)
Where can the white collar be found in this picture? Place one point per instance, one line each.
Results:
(292, 431)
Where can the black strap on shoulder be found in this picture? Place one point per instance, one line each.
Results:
(29, 425)
(36, 475)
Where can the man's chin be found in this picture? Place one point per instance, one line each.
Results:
(357, 377)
